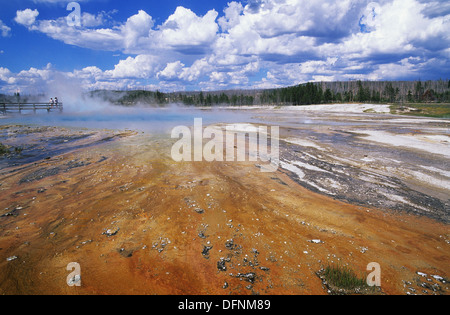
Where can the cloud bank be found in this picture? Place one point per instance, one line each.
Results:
(256, 44)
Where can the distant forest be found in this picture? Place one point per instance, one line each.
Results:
(393, 92)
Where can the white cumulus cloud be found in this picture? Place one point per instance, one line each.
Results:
(26, 17)
(141, 66)
(5, 30)
(259, 43)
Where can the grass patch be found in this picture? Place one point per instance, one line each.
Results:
(437, 110)
(341, 280)
(3, 149)
(343, 277)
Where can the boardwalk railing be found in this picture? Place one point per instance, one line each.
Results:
(14, 107)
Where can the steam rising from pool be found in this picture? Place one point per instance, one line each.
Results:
(82, 110)
(85, 112)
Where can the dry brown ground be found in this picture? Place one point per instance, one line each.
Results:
(153, 204)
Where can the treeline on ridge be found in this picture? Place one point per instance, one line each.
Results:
(395, 92)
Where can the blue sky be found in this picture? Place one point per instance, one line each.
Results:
(175, 45)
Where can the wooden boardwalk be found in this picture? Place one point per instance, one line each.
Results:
(21, 107)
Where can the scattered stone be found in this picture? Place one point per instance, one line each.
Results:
(230, 244)
(206, 250)
(439, 278)
(199, 210)
(111, 232)
(250, 277)
(163, 242)
(11, 258)
(221, 265)
(125, 253)
(9, 214)
(421, 274)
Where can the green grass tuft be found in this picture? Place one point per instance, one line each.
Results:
(436, 110)
(343, 277)
(3, 149)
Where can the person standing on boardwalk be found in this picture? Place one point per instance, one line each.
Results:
(52, 102)
(56, 102)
